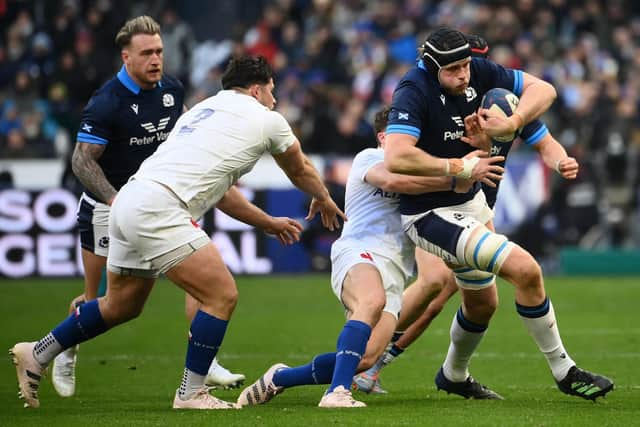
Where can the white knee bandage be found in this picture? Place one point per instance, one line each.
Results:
(469, 278)
(486, 250)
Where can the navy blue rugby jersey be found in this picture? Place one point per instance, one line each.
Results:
(531, 134)
(130, 121)
(421, 108)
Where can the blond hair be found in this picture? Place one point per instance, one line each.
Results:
(140, 25)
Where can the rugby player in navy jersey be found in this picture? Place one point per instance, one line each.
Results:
(435, 283)
(123, 123)
(426, 120)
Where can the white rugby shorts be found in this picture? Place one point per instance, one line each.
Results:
(346, 256)
(150, 230)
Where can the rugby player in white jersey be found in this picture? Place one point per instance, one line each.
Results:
(152, 231)
(371, 263)
(116, 134)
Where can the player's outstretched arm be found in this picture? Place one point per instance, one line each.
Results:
(304, 175)
(402, 156)
(555, 157)
(380, 177)
(234, 204)
(85, 167)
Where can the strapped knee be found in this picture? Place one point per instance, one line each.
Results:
(469, 278)
(486, 250)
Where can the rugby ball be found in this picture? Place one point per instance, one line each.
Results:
(504, 103)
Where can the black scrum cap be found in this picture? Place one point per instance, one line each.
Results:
(444, 47)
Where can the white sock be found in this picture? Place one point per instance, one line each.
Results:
(191, 383)
(46, 349)
(463, 344)
(544, 331)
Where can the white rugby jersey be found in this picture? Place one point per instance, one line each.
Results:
(374, 218)
(213, 145)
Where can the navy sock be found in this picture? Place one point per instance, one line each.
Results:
(395, 350)
(396, 336)
(82, 325)
(351, 346)
(319, 371)
(468, 325)
(205, 336)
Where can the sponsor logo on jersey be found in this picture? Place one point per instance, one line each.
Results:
(167, 100)
(403, 116)
(442, 99)
(386, 194)
(453, 135)
(134, 107)
(159, 136)
(150, 127)
(495, 150)
(86, 127)
(470, 93)
(145, 140)
(458, 120)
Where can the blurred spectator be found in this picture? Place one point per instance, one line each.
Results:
(9, 119)
(576, 202)
(179, 43)
(316, 239)
(6, 180)
(15, 146)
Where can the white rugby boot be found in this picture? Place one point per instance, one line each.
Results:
(29, 373)
(263, 390)
(63, 372)
(202, 400)
(340, 397)
(219, 376)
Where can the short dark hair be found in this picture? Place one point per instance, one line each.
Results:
(380, 120)
(140, 25)
(245, 71)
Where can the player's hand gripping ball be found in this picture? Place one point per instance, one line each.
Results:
(503, 103)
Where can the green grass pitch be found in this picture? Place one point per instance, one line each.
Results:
(129, 376)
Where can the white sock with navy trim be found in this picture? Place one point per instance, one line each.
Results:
(541, 324)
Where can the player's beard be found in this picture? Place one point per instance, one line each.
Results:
(154, 76)
(458, 90)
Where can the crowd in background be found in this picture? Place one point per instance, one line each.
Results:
(337, 61)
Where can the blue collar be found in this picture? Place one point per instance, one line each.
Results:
(128, 82)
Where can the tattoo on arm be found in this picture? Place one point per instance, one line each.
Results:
(85, 167)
